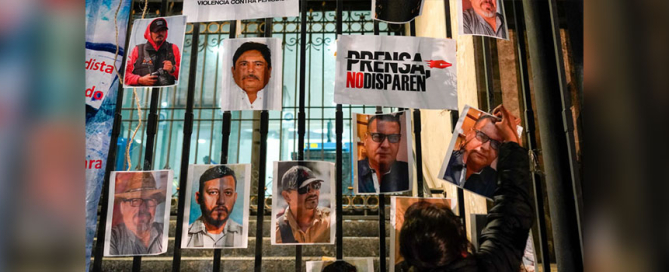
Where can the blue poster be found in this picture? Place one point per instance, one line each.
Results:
(101, 90)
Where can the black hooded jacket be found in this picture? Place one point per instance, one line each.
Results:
(504, 237)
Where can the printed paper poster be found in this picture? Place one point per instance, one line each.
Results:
(396, 71)
(155, 52)
(482, 18)
(139, 213)
(303, 190)
(216, 214)
(226, 10)
(100, 96)
(383, 151)
(471, 160)
(251, 75)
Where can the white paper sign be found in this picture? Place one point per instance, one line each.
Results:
(303, 190)
(225, 10)
(251, 75)
(100, 75)
(482, 18)
(408, 72)
(217, 206)
(139, 206)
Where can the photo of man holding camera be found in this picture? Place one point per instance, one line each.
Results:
(155, 62)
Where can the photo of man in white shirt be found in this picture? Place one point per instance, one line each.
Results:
(255, 78)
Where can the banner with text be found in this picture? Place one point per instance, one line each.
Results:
(407, 72)
(225, 10)
(101, 92)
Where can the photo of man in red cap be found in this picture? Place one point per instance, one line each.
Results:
(156, 62)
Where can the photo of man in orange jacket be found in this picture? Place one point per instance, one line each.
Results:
(156, 62)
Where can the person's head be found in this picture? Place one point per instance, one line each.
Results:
(252, 66)
(138, 202)
(158, 29)
(481, 143)
(217, 195)
(432, 236)
(340, 266)
(485, 8)
(383, 140)
(301, 189)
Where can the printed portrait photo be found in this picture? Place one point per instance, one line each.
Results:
(394, 11)
(482, 18)
(139, 213)
(303, 203)
(408, 210)
(251, 75)
(155, 47)
(471, 160)
(348, 264)
(217, 206)
(383, 150)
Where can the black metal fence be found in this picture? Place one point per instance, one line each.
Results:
(309, 44)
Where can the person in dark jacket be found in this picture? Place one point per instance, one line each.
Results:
(432, 238)
(156, 62)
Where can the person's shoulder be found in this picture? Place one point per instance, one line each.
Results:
(158, 226)
(234, 226)
(401, 166)
(468, 14)
(117, 229)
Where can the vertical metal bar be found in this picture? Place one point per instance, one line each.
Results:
(382, 198)
(301, 115)
(554, 119)
(487, 68)
(519, 22)
(419, 152)
(454, 119)
(225, 131)
(151, 127)
(111, 164)
(185, 151)
(567, 121)
(264, 125)
(339, 130)
(417, 133)
(461, 194)
(303, 47)
(447, 14)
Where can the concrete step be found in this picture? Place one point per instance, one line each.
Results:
(193, 264)
(352, 247)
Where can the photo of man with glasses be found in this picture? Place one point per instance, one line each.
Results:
(472, 165)
(137, 221)
(302, 214)
(381, 167)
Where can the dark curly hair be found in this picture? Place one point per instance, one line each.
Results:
(432, 236)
